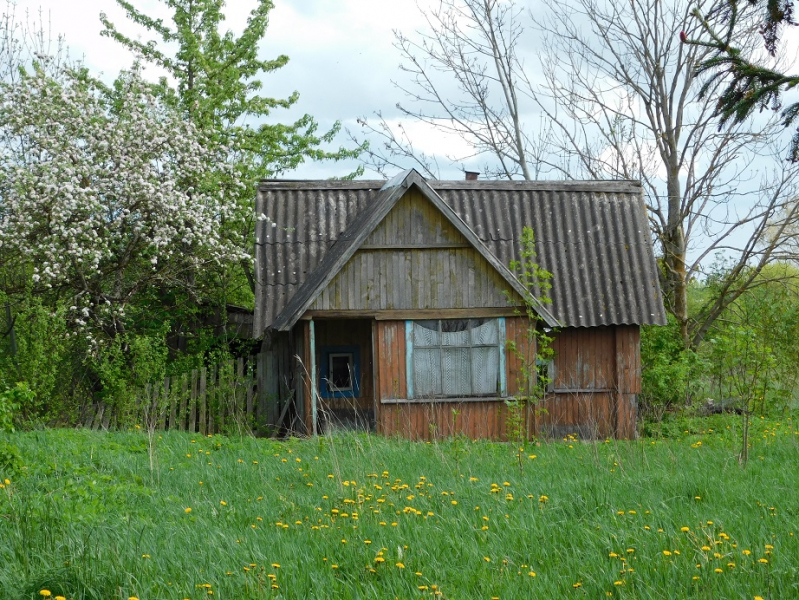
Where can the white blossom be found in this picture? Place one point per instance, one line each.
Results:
(92, 189)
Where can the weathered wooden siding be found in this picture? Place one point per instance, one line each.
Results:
(516, 333)
(628, 378)
(597, 374)
(390, 354)
(585, 359)
(415, 259)
(433, 420)
(414, 221)
(589, 415)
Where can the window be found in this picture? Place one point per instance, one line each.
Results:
(456, 358)
(545, 374)
(340, 371)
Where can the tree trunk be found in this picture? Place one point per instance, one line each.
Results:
(674, 249)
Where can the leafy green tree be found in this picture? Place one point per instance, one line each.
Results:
(748, 83)
(214, 79)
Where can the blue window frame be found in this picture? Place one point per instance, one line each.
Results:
(340, 370)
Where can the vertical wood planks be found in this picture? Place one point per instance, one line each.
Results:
(203, 401)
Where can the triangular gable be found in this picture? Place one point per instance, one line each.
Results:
(349, 242)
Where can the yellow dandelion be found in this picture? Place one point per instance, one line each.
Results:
(666, 553)
(685, 529)
(399, 565)
(531, 574)
(45, 593)
(223, 503)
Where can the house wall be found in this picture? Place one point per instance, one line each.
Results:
(597, 377)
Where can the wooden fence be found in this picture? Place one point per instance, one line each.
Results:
(231, 397)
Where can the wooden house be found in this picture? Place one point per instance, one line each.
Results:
(390, 305)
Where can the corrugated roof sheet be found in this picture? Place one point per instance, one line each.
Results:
(593, 236)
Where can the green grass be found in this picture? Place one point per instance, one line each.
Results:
(87, 516)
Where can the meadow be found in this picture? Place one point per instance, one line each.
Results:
(136, 514)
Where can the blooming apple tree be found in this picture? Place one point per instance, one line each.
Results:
(106, 193)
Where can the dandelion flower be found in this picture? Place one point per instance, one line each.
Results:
(45, 593)
(187, 510)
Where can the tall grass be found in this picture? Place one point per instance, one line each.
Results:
(358, 516)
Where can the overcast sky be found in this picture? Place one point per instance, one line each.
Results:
(341, 56)
(342, 60)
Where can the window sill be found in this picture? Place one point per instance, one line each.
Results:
(445, 400)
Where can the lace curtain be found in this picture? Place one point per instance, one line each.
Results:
(456, 357)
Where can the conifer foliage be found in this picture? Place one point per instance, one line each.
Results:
(750, 84)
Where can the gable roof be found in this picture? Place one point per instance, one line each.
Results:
(364, 224)
(593, 236)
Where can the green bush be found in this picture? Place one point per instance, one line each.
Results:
(10, 459)
(671, 374)
(12, 399)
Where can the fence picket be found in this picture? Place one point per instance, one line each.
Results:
(213, 398)
(203, 400)
(173, 408)
(184, 386)
(250, 389)
(193, 402)
(233, 395)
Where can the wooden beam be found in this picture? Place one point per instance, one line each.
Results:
(415, 314)
(443, 400)
(312, 352)
(432, 246)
